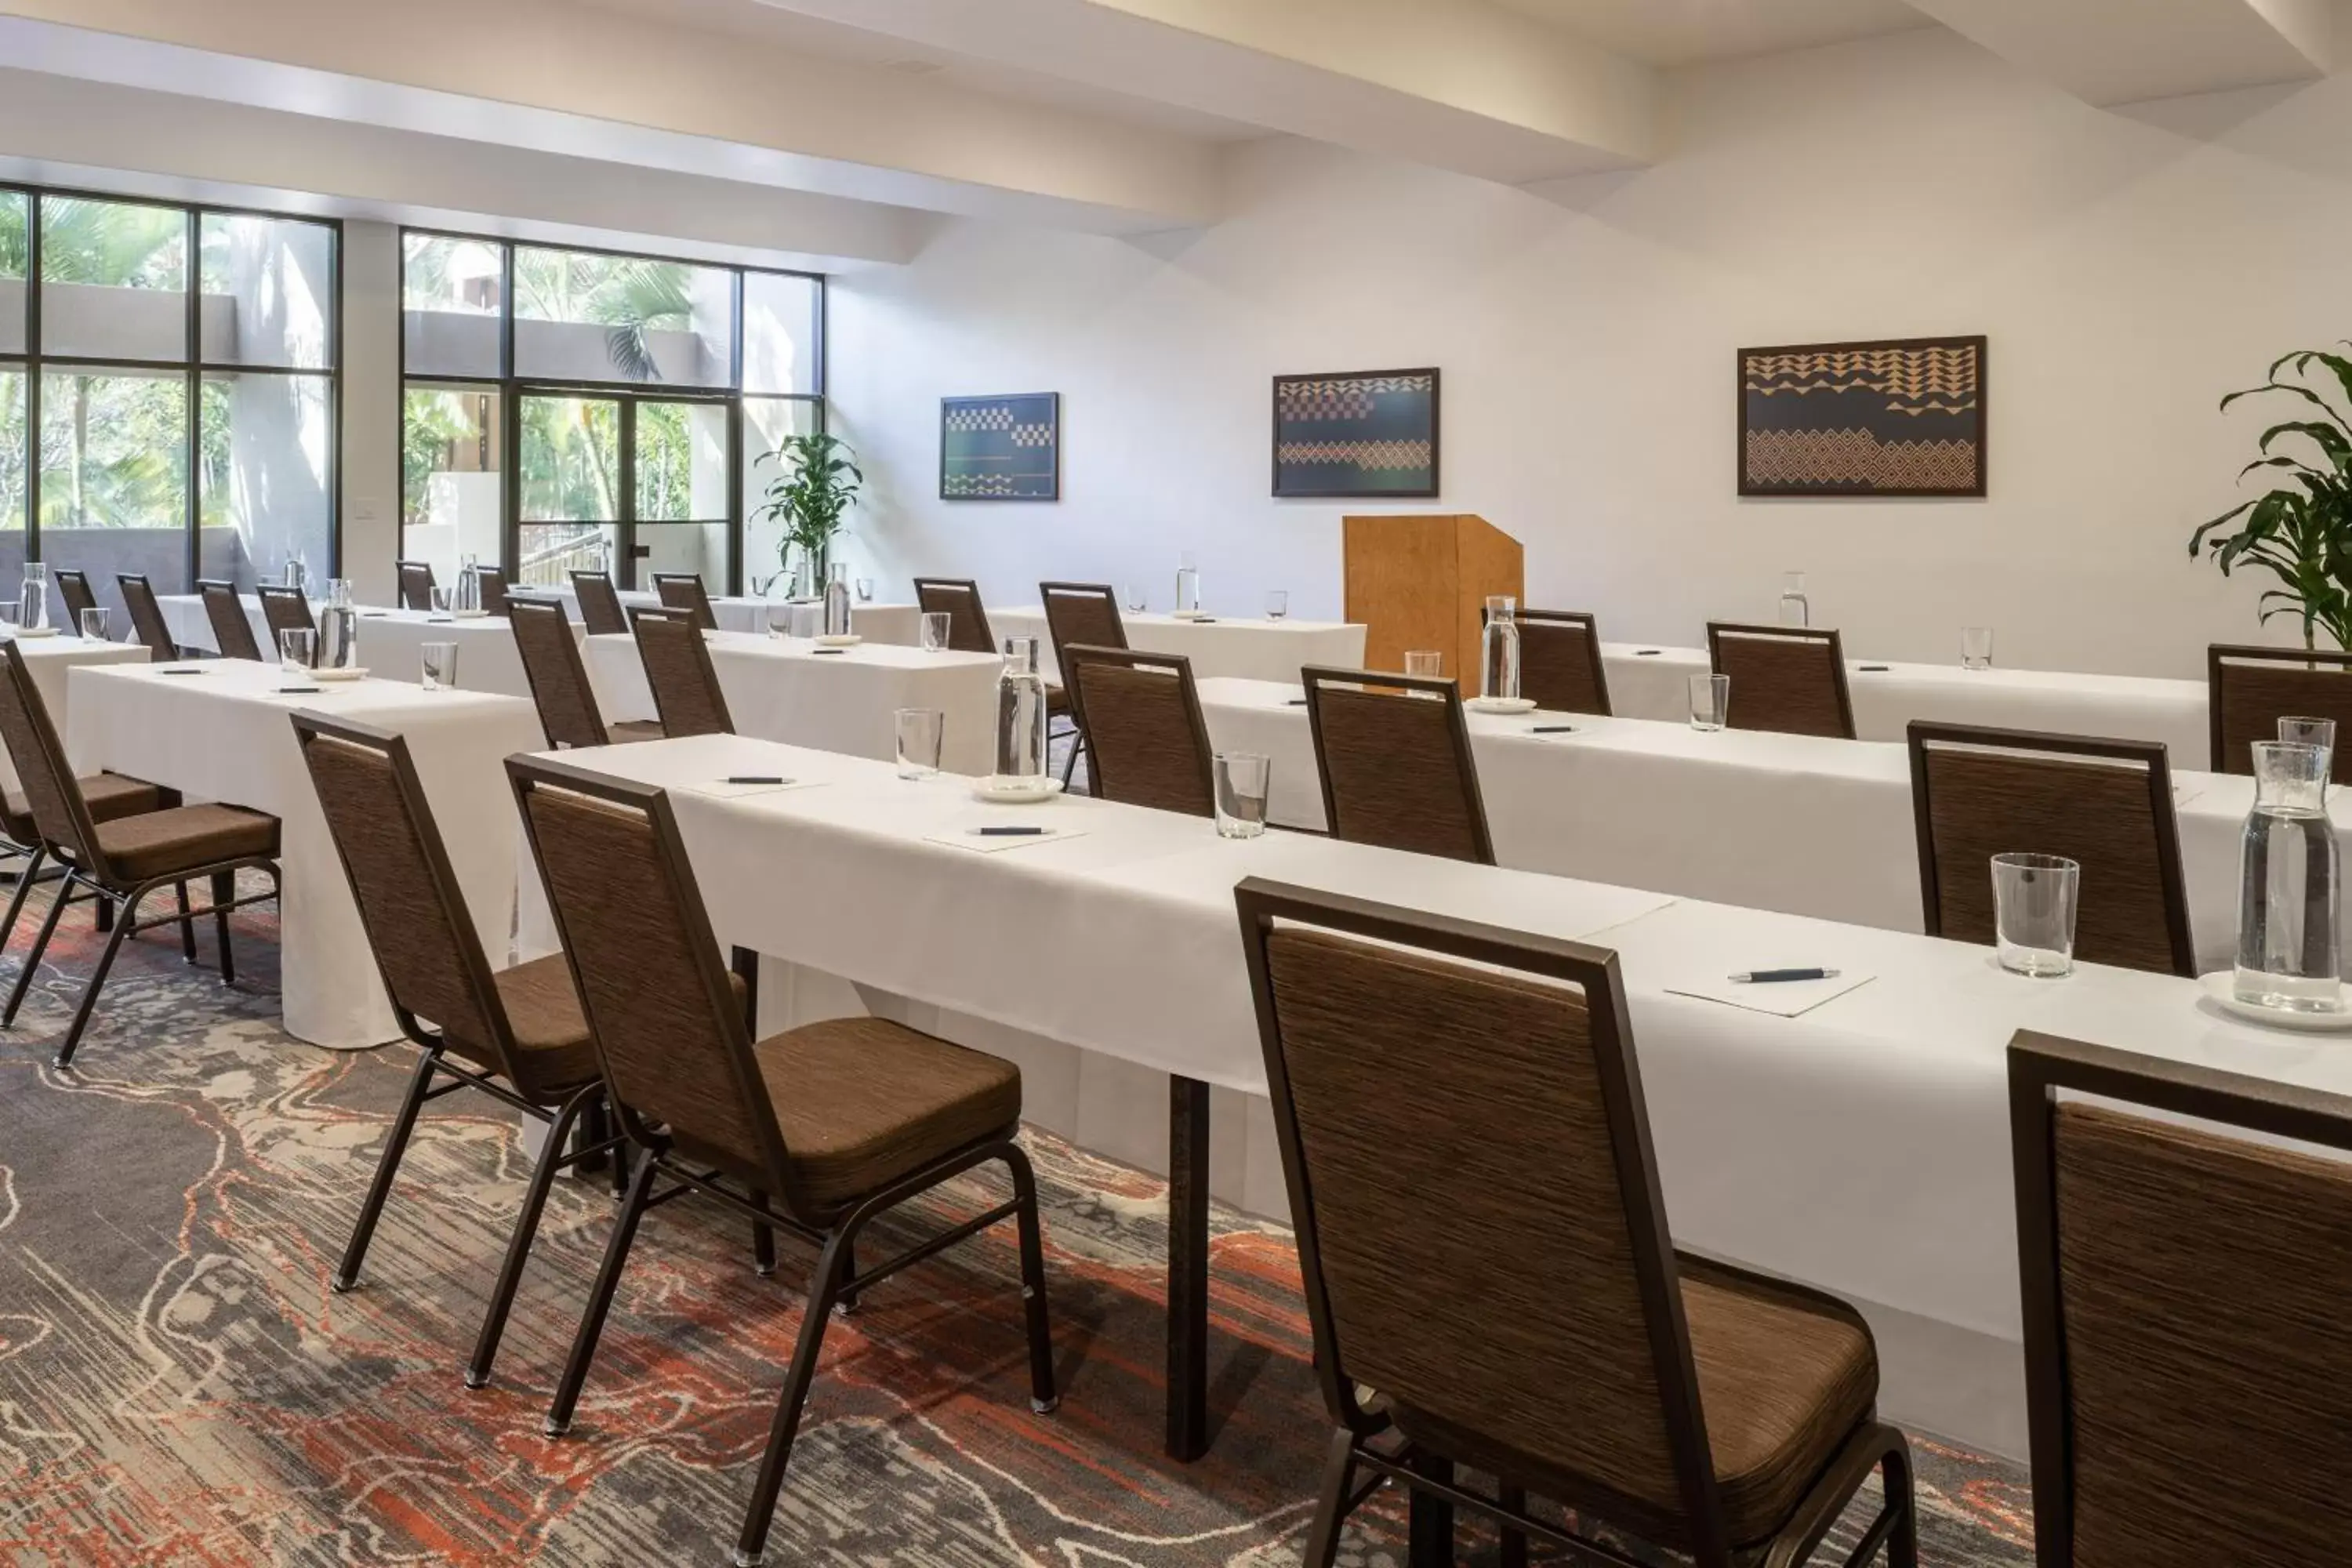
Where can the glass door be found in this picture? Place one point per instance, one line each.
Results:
(624, 484)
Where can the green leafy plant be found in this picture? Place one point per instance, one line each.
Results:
(2300, 531)
(817, 485)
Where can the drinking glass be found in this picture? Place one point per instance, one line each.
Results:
(1188, 586)
(11, 616)
(32, 606)
(804, 618)
(298, 574)
(2033, 899)
(1242, 778)
(865, 590)
(1796, 610)
(1278, 604)
(93, 623)
(1711, 701)
(440, 667)
(935, 632)
(1976, 647)
(298, 649)
(920, 731)
(442, 601)
(1138, 601)
(2318, 733)
(1426, 662)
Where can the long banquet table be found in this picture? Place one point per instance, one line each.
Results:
(1862, 1146)
(1251, 647)
(876, 622)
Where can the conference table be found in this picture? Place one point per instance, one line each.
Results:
(1249, 646)
(876, 622)
(46, 659)
(219, 730)
(1860, 1144)
(1651, 680)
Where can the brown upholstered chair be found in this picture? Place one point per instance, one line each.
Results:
(1516, 1296)
(74, 594)
(1560, 662)
(147, 616)
(2105, 805)
(1783, 678)
(2250, 690)
(684, 590)
(225, 609)
(516, 1035)
(815, 1132)
(558, 679)
(679, 671)
(416, 584)
(957, 598)
(1394, 755)
(493, 584)
(1082, 613)
(285, 609)
(123, 857)
(1146, 741)
(2189, 1400)
(600, 604)
(108, 796)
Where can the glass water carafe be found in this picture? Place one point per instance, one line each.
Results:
(32, 598)
(466, 598)
(1188, 586)
(2289, 898)
(1499, 663)
(837, 600)
(1021, 712)
(339, 627)
(1796, 610)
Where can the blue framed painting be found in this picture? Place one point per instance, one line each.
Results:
(1001, 448)
(1367, 433)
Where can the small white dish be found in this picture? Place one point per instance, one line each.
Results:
(1501, 704)
(469, 614)
(839, 639)
(36, 631)
(2220, 988)
(332, 675)
(1000, 790)
(1190, 615)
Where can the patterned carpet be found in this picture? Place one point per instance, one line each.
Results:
(179, 1386)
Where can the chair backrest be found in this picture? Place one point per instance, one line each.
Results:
(558, 679)
(409, 901)
(1783, 678)
(2107, 804)
(494, 589)
(147, 615)
(686, 698)
(285, 609)
(684, 590)
(957, 598)
(1560, 661)
(2249, 689)
(1081, 613)
(59, 813)
(1146, 741)
(225, 609)
(1394, 754)
(416, 584)
(2190, 1395)
(74, 594)
(600, 604)
(1456, 1102)
(668, 1033)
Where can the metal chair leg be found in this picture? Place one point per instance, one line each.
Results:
(750, 1547)
(1044, 1396)
(845, 1300)
(600, 1300)
(1896, 1478)
(395, 1145)
(526, 1228)
(33, 959)
(1332, 1502)
(188, 926)
(764, 1242)
(105, 914)
(24, 880)
(97, 979)
(224, 890)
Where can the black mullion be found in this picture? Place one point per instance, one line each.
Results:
(735, 476)
(510, 414)
(625, 503)
(335, 408)
(191, 273)
(32, 375)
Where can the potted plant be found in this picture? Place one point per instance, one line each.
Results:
(813, 490)
(2301, 531)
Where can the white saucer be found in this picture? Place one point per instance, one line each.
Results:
(36, 631)
(1190, 615)
(2220, 988)
(1501, 704)
(840, 639)
(998, 790)
(332, 675)
(469, 614)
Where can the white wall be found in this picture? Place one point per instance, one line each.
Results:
(2129, 268)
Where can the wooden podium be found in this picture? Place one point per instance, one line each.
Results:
(1423, 581)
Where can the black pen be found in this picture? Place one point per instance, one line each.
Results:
(827, 652)
(757, 779)
(1647, 652)
(1871, 669)
(1296, 702)
(295, 690)
(1553, 730)
(1011, 832)
(1776, 976)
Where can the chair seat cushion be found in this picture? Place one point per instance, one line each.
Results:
(108, 795)
(184, 838)
(550, 1030)
(864, 1101)
(1058, 697)
(634, 730)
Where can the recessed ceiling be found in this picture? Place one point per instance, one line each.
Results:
(1690, 32)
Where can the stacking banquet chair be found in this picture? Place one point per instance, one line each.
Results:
(493, 584)
(2189, 1402)
(516, 1035)
(147, 616)
(107, 796)
(416, 584)
(225, 609)
(600, 604)
(1394, 755)
(815, 1132)
(2105, 805)
(75, 596)
(686, 698)
(122, 858)
(1079, 613)
(285, 608)
(2250, 690)
(1560, 662)
(684, 590)
(1783, 678)
(559, 680)
(1516, 1297)
(1146, 741)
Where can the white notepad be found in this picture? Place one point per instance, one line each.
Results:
(720, 789)
(997, 843)
(1783, 999)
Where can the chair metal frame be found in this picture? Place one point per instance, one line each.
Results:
(1314, 676)
(225, 612)
(1826, 634)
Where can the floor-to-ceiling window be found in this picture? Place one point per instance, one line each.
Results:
(168, 394)
(567, 410)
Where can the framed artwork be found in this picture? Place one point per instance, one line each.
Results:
(1898, 418)
(1001, 448)
(1366, 433)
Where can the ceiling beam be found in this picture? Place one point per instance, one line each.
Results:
(2108, 52)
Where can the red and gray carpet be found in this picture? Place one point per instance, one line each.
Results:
(179, 1386)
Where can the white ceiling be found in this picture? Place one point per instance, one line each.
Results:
(1690, 32)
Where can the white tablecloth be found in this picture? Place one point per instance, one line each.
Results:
(783, 688)
(1798, 824)
(1655, 684)
(883, 623)
(1252, 647)
(222, 735)
(48, 658)
(192, 627)
(392, 647)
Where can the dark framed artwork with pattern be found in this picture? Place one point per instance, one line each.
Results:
(1364, 434)
(1001, 448)
(1902, 417)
